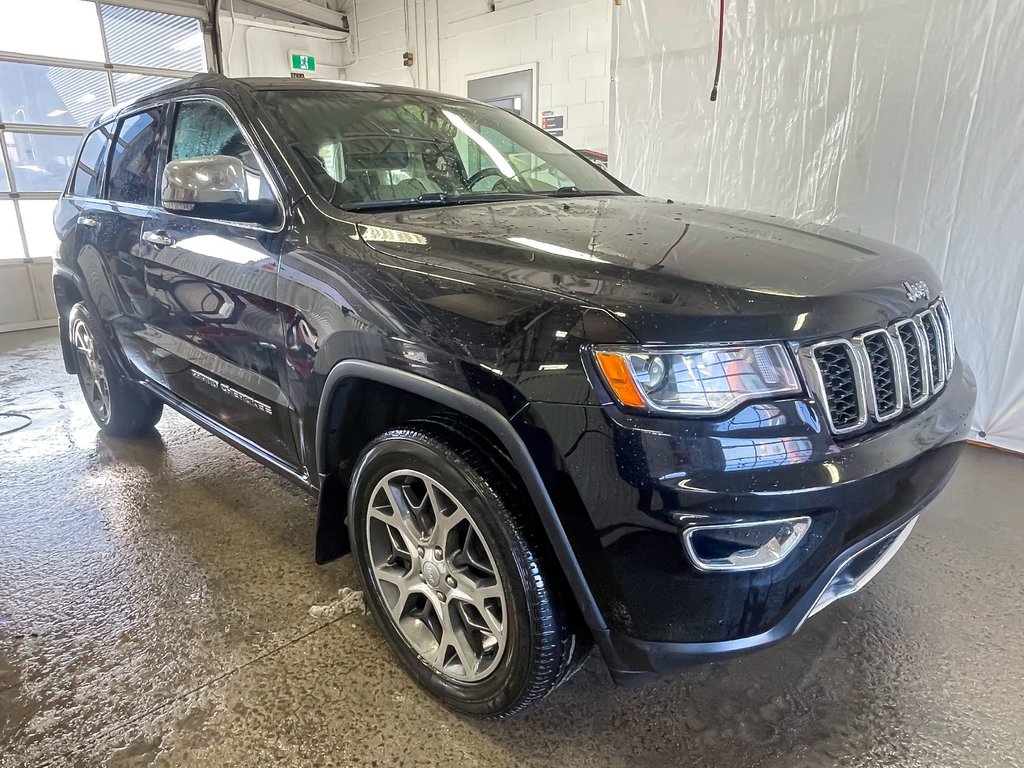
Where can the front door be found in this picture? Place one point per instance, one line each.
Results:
(217, 326)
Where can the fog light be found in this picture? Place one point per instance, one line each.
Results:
(743, 546)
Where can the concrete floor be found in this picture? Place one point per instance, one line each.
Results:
(154, 610)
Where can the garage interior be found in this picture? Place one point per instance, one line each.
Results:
(159, 603)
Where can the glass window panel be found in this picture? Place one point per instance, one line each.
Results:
(205, 128)
(5, 185)
(10, 235)
(128, 85)
(134, 160)
(151, 39)
(89, 173)
(36, 93)
(37, 217)
(66, 28)
(41, 163)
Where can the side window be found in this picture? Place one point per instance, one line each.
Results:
(204, 128)
(92, 162)
(133, 162)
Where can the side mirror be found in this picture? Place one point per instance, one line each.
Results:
(215, 187)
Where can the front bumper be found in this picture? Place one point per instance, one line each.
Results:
(626, 488)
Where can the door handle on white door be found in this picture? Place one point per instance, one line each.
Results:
(87, 221)
(157, 238)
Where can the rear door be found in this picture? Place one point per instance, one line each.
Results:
(114, 188)
(131, 199)
(212, 283)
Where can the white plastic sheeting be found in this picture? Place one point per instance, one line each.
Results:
(899, 119)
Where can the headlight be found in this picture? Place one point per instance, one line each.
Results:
(700, 382)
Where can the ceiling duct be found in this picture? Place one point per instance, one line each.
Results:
(306, 11)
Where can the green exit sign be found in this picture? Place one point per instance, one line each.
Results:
(303, 62)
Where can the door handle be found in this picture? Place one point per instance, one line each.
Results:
(88, 221)
(158, 238)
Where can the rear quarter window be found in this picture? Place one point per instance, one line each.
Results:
(88, 175)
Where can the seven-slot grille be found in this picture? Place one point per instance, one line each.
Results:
(883, 372)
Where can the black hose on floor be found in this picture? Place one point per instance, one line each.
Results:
(13, 415)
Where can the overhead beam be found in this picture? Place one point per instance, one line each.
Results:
(306, 11)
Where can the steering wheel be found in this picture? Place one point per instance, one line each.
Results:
(482, 174)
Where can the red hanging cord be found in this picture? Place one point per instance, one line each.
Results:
(721, 34)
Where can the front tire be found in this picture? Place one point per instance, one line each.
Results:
(454, 575)
(118, 405)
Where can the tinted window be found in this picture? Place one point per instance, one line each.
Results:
(205, 128)
(90, 166)
(133, 162)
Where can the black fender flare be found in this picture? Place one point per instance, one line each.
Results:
(63, 272)
(330, 526)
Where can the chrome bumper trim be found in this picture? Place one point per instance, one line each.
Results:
(852, 576)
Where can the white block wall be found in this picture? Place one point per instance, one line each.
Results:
(255, 51)
(381, 35)
(568, 40)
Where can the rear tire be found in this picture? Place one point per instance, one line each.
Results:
(456, 577)
(119, 406)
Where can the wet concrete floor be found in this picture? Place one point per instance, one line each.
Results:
(154, 610)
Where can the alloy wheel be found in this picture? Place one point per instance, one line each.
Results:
(91, 371)
(436, 576)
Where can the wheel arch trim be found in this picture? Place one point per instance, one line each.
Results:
(503, 431)
(62, 273)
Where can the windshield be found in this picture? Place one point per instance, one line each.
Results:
(372, 149)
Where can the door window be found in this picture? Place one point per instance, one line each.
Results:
(133, 162)
(205, 128)
(92, 162)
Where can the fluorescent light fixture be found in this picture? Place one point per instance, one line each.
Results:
(57, 113)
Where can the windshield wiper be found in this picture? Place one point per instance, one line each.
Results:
(577, 192)
(430, 199)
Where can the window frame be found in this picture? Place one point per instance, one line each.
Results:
(171, 117)
(161, 140)
(69, 187)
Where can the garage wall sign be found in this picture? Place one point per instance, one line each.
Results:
(553, 122)
(302, 62)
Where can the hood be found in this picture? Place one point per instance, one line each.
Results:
(672, 273)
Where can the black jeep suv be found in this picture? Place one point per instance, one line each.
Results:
(541, 410)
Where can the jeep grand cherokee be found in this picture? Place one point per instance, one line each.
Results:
(542, 411)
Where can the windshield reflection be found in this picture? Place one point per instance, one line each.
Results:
(367, 149)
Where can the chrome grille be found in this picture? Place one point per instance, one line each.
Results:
(910, 338)
(880, 350)
(837, 364)
(881, 373)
